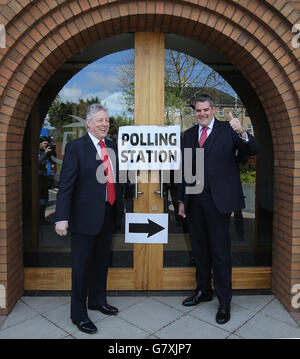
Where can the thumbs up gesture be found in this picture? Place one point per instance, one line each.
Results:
(236, 125)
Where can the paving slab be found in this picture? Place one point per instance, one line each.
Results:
(34, 328)
(264, 327)
(150, 315)
(188, 327)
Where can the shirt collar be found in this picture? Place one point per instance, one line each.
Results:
(94, 139)
(210, 126)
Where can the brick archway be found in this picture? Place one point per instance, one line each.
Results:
(255, 36)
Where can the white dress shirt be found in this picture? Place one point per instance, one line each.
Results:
(96, 144)
(208, 132)
(98, 148)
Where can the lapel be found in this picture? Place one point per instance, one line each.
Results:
(91, 149)
(195, 139)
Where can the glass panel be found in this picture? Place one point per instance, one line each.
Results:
(98, 82)
(251, 228)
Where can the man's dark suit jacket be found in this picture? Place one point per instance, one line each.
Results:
(222, 175)
(81, 198)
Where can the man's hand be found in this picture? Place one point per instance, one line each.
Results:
(236, 125)
(181, 211)
(61, 228)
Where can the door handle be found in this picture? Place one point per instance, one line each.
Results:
(137, 192)
(161, 190)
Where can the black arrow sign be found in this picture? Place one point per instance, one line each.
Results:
(151, 228)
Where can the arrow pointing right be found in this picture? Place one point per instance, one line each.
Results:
(151, 228)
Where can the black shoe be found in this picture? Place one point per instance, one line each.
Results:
(223, 314)
(197, 298)
(105, 309)
(86, 326)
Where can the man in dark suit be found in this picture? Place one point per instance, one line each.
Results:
(89, 204)
(208, 212)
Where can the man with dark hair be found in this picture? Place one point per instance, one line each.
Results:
(90, 206)
(208, 212)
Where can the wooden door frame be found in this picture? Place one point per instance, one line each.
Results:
(148, 272)
(149, 110)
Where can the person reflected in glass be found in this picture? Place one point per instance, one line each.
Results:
(45, 153)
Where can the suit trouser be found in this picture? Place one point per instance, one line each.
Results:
(209, 235)
(90, 260)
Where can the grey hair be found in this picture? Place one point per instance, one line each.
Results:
(95, 107)
(203, 98)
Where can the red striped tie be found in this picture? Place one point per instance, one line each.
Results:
(111, 191)
(203, 136)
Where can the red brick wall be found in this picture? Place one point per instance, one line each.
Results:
(254, 35)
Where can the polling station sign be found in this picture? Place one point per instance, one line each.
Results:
(149, 147)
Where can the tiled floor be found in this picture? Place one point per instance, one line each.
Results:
(154, 317)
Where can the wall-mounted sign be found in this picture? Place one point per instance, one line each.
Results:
(149, 147)
(146, 228)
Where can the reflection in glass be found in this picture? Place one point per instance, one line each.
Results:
(65, 121)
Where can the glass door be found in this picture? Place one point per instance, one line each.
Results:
(47, 257)
(185, 78)
(162, 100)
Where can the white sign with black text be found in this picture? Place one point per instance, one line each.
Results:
(146, 228)
(149, 147)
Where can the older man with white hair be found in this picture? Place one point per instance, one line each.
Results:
(89, 204)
